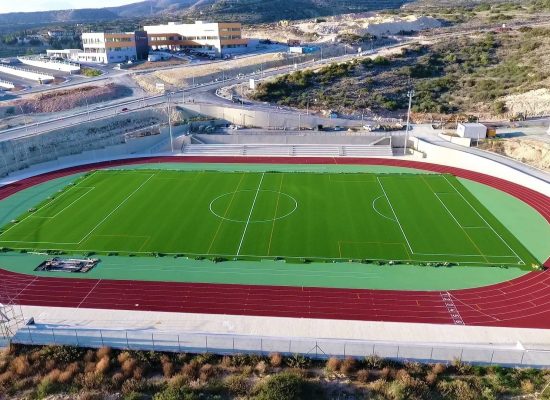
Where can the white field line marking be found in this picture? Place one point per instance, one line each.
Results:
(395, 215)
(250, 214)
(47, 203)
(463, 255)
(484, 220)
(116, 208)
(90, 292)
(378, 212)
(460, 226)
(74, 201)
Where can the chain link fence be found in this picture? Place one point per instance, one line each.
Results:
(224, 344)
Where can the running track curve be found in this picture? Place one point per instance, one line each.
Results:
(522, 302)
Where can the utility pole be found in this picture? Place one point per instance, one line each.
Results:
(170, 124)
(24, 118)
(410, 94)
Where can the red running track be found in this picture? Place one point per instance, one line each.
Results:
(522, 302)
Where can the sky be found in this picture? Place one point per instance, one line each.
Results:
(44, 5)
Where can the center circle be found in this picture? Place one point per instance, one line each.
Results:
(253, 206)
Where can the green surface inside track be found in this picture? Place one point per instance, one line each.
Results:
(460, 222)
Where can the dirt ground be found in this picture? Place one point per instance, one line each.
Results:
(527, 150)
(182, 76)
(65, 99)
(532, 103)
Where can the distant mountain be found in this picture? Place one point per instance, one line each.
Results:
(247, 11)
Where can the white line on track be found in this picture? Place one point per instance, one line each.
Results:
(250, 214)
(64, 208)
(90, 292)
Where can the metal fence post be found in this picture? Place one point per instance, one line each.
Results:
(373, 347)
(492, 355)
(76, 336)
(153, 340)
(179, 345)
(398, 352)
(522, 355)
(316, 350)
(127, 344)
(206, 342)
(345, 350)
(101, 334)
(261, 346)
(53, 334)
(233, 345)
(432, 354)
(461, 353)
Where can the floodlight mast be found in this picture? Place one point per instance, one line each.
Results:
(170, 123)
(411, 95)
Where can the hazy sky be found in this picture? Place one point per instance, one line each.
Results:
(42, 5)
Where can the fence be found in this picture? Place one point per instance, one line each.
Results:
(315, 348)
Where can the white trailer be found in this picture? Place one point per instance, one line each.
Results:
(472, 130)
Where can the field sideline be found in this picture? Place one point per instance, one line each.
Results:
(247, 215)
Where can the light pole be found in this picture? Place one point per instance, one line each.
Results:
(170, 123)
(410, 94)
(24, 118)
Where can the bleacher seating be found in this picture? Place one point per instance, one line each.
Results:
(286, 150)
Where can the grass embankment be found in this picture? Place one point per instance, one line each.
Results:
(463, 74)
(37, 372)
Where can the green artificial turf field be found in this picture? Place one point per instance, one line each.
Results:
(296, 216)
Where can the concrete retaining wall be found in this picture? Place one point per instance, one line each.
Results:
(26, 74)
(319, 139)
(462, 141)
(50, 64)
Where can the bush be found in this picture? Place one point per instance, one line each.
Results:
(237, 385)
(45, 388)
(348, 366)
(363, 375)
(275, 359)
(287, 386)
(333, 364)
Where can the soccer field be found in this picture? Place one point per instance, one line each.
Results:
(250, 215)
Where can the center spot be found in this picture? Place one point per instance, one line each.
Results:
(266, 206)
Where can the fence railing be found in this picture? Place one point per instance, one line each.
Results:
(224, 344)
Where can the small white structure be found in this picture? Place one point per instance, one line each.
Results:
(472, 131)
(296, 49)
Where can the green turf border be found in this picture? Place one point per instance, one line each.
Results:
(525, 223)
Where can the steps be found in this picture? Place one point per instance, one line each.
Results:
(286, 150)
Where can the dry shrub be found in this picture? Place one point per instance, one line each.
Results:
(123, 357)
(363, 375)
(527, 386)
(191, 370)
(431, 378)
(438, 368)
(237, 385)
(102, 352)
(91, 396)
(132, 385)
(276, 360)
(178, 381)
(89, 356)
(103, 364)
(333, 364)
(68, 374)
(117, 379)
(349, 365)
(89, 367)
(128, 366)
(53, 376)
(386, 373)
(20, 365)
(6, 377)
(402, 376)
(226, 362)
(261, 368)
(414, 368)
(207, 371)
(378, 386)
(167, 369)
(50, 364)
(90, 380)
(138, 373)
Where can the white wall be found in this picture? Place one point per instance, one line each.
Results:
(53, 65)
(26, 74)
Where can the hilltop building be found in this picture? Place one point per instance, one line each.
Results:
(214, 38)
